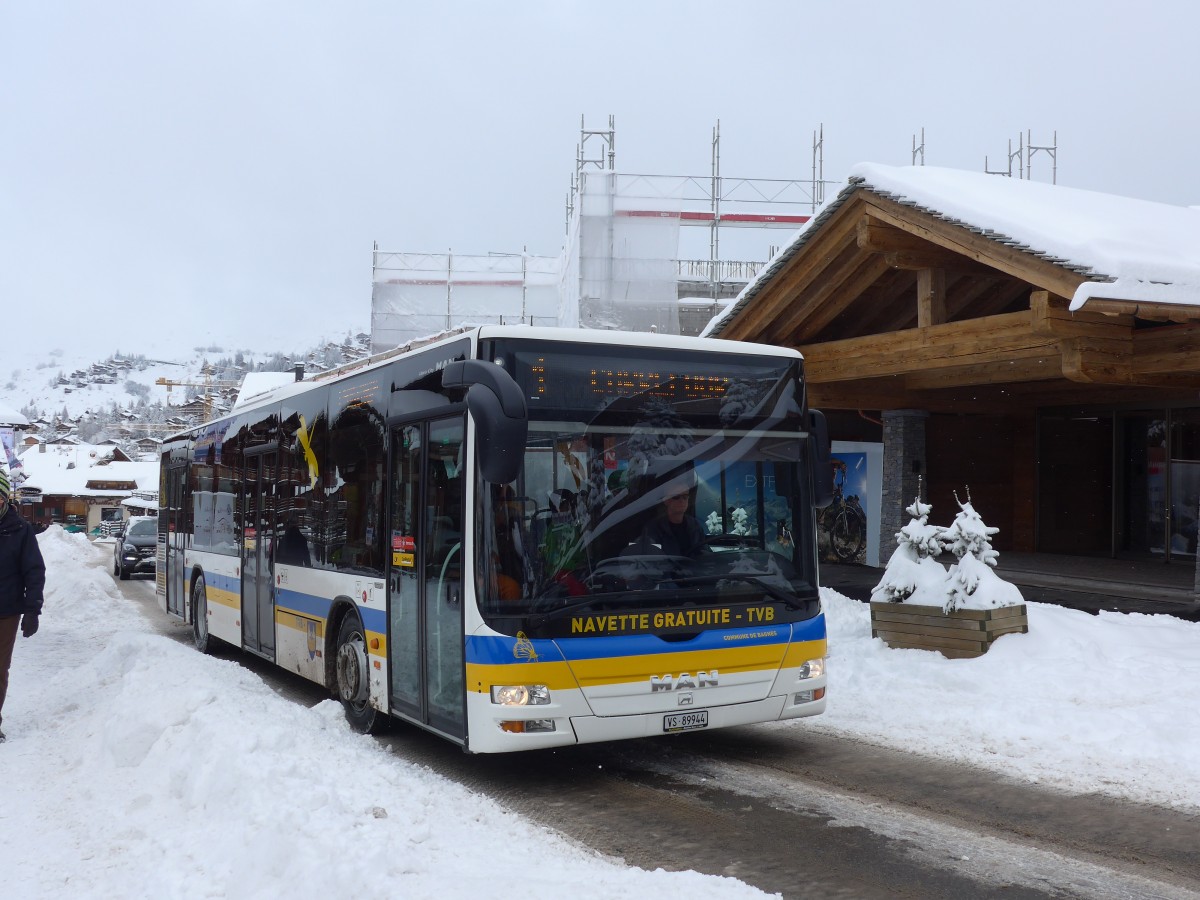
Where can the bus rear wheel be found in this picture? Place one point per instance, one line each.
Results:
(200, 636)
(353, 678)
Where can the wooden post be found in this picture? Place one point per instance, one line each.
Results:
(931, 297)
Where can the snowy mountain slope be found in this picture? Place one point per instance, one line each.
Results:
(74, 384)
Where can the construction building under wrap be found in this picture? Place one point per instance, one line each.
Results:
(624, 263)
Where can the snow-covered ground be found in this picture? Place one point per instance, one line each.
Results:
(136, 767)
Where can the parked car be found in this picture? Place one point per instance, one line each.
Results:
(137, 547)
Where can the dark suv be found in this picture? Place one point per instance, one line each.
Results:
(137, 547)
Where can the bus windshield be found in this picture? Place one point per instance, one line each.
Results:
(647, 506)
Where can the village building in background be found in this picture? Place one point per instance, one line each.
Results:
(92, 488)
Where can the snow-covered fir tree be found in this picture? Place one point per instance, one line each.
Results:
(714, 524)
(740, 520)
(659, 434)
(913, 574)
(970, 582)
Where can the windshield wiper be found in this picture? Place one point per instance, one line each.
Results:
(791, 601)
(540, 619)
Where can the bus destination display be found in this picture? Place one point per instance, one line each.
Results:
(563, 382)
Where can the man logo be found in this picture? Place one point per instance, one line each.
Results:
(685, 682)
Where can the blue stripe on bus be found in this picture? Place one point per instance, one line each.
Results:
(305, 604)
(496, 650)
(226, 583)
(318, 608)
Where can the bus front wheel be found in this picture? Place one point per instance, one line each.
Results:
(353, 679)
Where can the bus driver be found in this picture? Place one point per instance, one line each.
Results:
(674, 531)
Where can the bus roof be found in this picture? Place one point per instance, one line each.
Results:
(478, 333)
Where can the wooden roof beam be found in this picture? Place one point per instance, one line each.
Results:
(992, 340)
(805, 320)
(876, 236)
(974, 246)
(1032, 364)
(1158, 351)
(1084, 362)
(1154, 312)
(907, 251)
(934, 259)
(780, 297)
(880, 393)
(1052, 317)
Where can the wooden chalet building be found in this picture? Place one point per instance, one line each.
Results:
(1036, 343)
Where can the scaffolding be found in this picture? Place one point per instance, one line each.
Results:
(1024, 154)
(624, 234)
(418, 294)
(625, 264)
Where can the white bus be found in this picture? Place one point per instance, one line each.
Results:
(517, 537)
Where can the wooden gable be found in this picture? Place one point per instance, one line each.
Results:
(894, 306)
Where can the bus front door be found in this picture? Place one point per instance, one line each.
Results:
(425, 628)
(258, 579)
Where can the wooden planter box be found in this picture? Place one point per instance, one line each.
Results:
(959, 634)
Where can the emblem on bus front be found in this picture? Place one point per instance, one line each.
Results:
(523, 649)
(685, 682)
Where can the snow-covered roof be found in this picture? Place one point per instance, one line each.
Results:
(66, 470)
(9, 416)
(256, 384)
(1142, 250)
(1123, 248)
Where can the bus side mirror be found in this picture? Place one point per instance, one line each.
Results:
(822, 459)
(501, 419)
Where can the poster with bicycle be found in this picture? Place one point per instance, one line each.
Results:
(846, 527)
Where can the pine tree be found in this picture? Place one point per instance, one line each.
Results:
(970, 582)
(740, 520)
(913, 574)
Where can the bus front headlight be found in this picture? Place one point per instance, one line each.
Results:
(520, 694)
(814, 668)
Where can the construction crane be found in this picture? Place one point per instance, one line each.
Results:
(208, 384)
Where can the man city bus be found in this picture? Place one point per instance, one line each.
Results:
(517, 537)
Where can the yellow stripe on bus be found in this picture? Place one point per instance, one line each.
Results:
(223, 598)
(555, 675)
(617, 670)
(288, 619)
(802, 651)
(629, 668)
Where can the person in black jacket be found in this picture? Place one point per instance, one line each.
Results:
(674, 532)
(22, 578)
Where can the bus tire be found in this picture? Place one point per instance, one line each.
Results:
(353, 677)
(203, 641)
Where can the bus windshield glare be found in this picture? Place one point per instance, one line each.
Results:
(680, 490)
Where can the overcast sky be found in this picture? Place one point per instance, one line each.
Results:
(216, 172)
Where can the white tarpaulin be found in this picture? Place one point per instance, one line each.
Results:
(414, 295)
